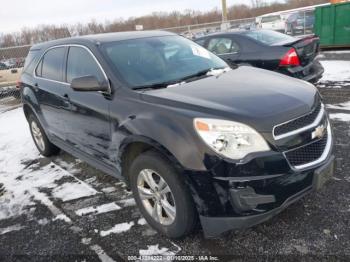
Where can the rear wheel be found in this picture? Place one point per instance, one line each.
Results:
(293, 32)
(162, 195)
(45, 147)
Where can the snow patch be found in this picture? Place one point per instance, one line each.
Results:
(336, 70)
(86, 241)
(154, 250)
(98, 209)
(23, 177)
(337, 52)
(10, 229)
(62, 217)
(127, 202)
(101, 253)
(70, 167)
(73, 190)
(118, 228)
(142, 222)
(108, 190)
(342, 106)
(340, 117)
(43, 221)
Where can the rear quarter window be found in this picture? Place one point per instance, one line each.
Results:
(29, 62)
(200, 42)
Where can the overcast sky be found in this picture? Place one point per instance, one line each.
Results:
(16, 14)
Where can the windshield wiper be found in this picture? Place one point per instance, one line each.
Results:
(200, 74)
(189, 78)
(155, 86)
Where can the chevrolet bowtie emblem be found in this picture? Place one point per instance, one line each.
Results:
(318, 132)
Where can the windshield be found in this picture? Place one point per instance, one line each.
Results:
(269, 19)
(155, 60)
(269, 37)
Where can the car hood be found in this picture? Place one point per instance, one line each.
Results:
(253, 96)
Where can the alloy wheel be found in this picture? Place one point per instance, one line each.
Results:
(38, 136)
(156, 197)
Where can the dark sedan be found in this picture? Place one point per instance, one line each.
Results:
(269, 50)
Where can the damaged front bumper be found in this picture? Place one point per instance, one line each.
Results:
(241, 202)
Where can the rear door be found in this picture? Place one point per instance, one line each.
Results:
(50, 91)
(88, 123)
(225, 47)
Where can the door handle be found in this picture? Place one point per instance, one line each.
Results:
(36, 87)
(66, 101)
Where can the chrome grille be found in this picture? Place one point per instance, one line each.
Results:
(298, 123)
(307, 153)
(314, 152)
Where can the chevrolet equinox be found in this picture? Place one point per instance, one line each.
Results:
(194, 139)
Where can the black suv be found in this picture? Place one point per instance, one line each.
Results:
(191, 137)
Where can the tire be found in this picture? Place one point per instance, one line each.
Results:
(185, 218)
(293, 32)
(45, 147)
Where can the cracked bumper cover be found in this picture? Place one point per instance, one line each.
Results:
(214, 226)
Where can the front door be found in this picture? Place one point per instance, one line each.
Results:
(88, 123)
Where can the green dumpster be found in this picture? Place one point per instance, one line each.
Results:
(332, 25)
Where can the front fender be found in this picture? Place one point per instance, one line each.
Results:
(172, 137)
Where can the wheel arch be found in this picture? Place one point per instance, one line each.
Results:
(132, 147)
(28, 110)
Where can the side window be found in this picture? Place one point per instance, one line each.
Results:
(200, 42)
(29, 64)
(81, 63)
(38, 70)
(51, 64)
(222, 46)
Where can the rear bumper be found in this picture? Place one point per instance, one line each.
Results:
(214, 226)
(311, 72)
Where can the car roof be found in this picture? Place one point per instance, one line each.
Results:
(103, 38)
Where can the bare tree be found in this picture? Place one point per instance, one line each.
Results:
(155, 20)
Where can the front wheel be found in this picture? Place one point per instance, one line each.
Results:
(162, 195)
(45, 147)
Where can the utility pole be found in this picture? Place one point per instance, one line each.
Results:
(224, 11)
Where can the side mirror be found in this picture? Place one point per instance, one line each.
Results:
(88, 83)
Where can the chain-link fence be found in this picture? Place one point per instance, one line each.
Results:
(292, 22)
(198, 30)
(11, 64)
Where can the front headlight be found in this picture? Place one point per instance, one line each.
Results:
(231, 139)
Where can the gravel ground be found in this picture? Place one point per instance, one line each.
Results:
(48, 224)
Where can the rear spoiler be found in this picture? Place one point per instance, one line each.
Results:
(306, 38)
